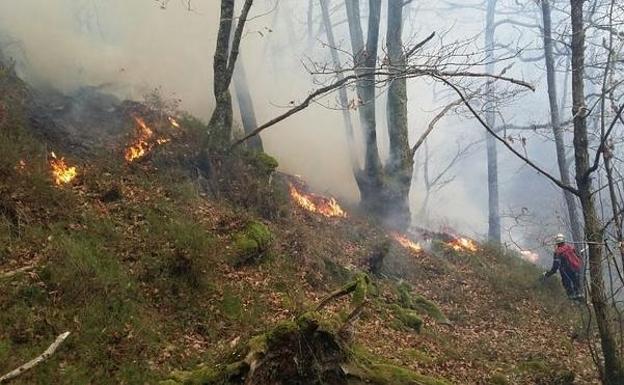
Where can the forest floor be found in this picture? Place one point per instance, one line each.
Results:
(139, 263)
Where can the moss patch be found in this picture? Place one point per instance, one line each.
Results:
(409, 318)
(419, 303)
(251, 242)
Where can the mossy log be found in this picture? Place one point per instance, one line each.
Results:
(360, 286)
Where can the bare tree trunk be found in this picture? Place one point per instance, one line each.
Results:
(575, 225)
(615, 206)
(220, 124)
(245, 105)
(370, 180)
(343, 98)
(400, 168)
(494, 230)
(613, 367)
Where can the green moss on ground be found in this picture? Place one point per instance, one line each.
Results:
(543, 372)
(384, 374)
(251, 242)
(498, 379)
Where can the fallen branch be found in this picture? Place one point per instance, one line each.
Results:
(31, 364)
(347, 289)
(9, 274)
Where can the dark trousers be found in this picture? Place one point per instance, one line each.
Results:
(570, 280)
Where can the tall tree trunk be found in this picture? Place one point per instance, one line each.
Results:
(220, 124)
(615, 206)
(343, 98)
(400, 168)
(370, 180)
(494, 228)
(245, 105)
(562, 161)
(613, 367)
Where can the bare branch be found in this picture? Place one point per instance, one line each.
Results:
(36, 361)
(420, 45)
(9, 274)
(603, 142)
(301, 106)
(432, 124)
(491, 131)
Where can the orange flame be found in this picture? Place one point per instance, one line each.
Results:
(174, 122)
(317, 204)
(407, 243)
(143, 142)
(463, 244)
(62, 173)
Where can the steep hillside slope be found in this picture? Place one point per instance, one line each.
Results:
(153, 268)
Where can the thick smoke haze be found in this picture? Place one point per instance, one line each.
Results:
(131, 47)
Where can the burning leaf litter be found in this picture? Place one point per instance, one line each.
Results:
(144, 141)
(62, 173)
(407, 243)
(463, 244)
(325, 206)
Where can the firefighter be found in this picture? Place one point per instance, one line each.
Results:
(568, 263)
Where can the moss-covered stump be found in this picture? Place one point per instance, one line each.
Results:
(408, 318)
(251, 242)
(420, 304)
(308, 351)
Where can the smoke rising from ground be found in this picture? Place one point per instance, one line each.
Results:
(131, 47)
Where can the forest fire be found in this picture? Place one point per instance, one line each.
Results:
(407, 243)
(62, 173)
(174, 122)
(463, 244)
(327, 207)
(143, 143)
